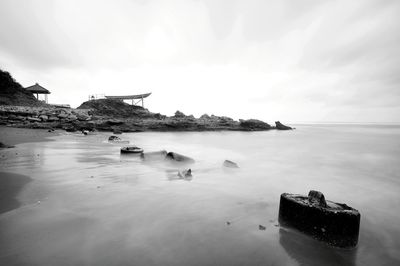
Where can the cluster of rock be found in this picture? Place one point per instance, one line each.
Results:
(43, 117)
(117, 116)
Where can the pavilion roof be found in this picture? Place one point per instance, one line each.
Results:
(37, 89)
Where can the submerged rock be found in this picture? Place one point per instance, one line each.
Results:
(281, 126)
(230, 164)
(334, 223)
(185, 173)
(5, 146)
(154, 155)
(179, 157)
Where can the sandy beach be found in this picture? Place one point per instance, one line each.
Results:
(12, 184)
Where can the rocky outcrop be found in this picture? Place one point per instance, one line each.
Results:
(19, 108)
(141, 120)
(281, 126)
(44, 117)
(254, 124)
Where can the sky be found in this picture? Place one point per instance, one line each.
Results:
(290, 60)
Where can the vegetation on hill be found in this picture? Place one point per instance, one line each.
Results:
(12, 93)
(117, 108)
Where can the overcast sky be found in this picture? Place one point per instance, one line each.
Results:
(294, 61)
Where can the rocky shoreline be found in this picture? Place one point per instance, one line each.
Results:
(106, 115)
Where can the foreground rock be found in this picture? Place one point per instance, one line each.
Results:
(334, 223)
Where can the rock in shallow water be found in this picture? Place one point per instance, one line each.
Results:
(281, 126)
(336, 224)
(154, 155)
(179, 157)
(230, 164)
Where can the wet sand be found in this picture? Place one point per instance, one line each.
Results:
(10, 186)
(10, 183)
(13, 136)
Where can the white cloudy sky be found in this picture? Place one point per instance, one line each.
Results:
(296, 61)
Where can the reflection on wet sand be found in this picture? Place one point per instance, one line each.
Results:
(11, 184)
(307, 251)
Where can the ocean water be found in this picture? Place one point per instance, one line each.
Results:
(88, 205)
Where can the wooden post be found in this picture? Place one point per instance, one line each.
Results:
(142, 102)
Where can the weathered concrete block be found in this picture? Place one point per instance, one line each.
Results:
(336, 224)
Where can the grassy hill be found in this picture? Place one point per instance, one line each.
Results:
(12, 93)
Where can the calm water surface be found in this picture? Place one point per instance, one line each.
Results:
(87, 205)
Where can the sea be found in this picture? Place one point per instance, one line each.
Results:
(87, 204)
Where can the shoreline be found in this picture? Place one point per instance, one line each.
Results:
(117, 116)
(10, 135)
(12, 184)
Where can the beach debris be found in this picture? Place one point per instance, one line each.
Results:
(281, 126)
(5, 146)
(179, 157)
(131, 150)
(185, 173)
(228, 223)
(154, 155)
(85, 132)
(51, 130)
(334, 223)
(230, 164)
(261, 227)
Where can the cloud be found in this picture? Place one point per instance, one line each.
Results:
(264, 59)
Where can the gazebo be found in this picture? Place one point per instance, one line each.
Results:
(37, 89)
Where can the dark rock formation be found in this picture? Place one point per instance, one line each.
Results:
(281, 126)
(19, 108)
(336, 224)
(230, 164)
(254, 124)
(179, 114)
(317, 198)
(5, 146)
(185, 173)
(115, 108)
(179, 157)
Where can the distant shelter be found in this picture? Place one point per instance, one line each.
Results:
(39, 90)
